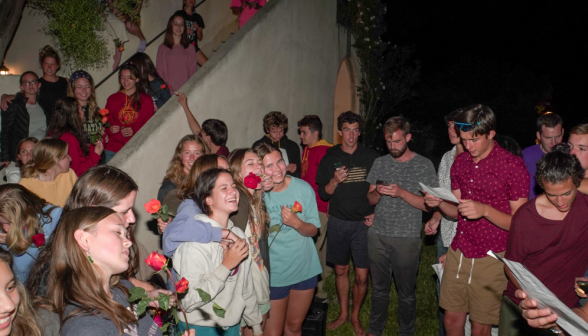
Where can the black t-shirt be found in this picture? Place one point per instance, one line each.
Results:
(191, 22)
(49, 93)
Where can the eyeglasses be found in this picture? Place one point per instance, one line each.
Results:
(30, 83)
(465, 127)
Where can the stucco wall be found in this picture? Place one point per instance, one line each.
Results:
(29, 38)
(286, 58)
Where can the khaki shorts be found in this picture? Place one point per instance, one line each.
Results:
(473, 287)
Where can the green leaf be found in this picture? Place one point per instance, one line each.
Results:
(274, 228)
(137, 293)
(164, 217)
(218, 310)
(164, 327)
(155, 216)
(164, 209)
(203, 295)
(142, 305)
(163, 300)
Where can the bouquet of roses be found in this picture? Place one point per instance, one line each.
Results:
(96, 126)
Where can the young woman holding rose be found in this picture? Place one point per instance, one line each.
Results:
(15, 306)
(27, 221)
(215, 268)
(295, 263)
(24, 154)
(48, 174)
(67, 126)
(130, 108)
(157, 88)
(246, 167)
(81, 87)
(91, 247)
(176, 57)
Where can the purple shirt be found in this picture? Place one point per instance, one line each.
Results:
(531, 155)
(495, 180)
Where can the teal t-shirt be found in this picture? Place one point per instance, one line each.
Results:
(293, 257)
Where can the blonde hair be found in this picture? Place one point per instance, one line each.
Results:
(22, 209)
(46, 154)
(72, 277)
(202, 164)
(579, 129)
(256, 200)
(92, 104)
(24, 323)
(175, 172)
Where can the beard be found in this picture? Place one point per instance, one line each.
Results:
(398, 153)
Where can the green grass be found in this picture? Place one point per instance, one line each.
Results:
(426, 320)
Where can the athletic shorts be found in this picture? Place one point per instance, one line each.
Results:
(278, 293)
(347, 239)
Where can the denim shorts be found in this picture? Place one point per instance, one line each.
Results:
(278, 293)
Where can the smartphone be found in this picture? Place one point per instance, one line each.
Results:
(583, 284)
(337, 165)
(380, 182)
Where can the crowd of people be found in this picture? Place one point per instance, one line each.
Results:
(257, 229)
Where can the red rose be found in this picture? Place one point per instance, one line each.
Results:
(297, 207)
(182, 285)
(163, 86)
(103, 112)
(156, 261)
(39, 239)
(251, 181)
(152, 206)
(104, 120)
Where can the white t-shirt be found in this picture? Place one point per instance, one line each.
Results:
(38, 121)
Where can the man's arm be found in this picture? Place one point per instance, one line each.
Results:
(192, 122)
(373, 195)
(475, 210)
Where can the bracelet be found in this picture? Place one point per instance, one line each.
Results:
(228, 233)
(556, 331)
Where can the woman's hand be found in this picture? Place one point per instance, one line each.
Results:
(161, 225)
(127, 132)
(191, 332)
(155, 294)
(267, 183)
(289, 218)
(579, 291)
(229, 235)
(114, 129)
(99, 147)
(233, 256)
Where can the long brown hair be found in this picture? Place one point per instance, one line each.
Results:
(25, 322)
(203, 163)
(175, 172)
(46, 154)
(92, 103)
(66, 119)
(99, 186)
(23, 209)
(73, 280)
(140, 85)
(169, 33)
(256, 200)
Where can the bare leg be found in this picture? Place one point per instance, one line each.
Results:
(479, 329)
(342, 283)
(117, 56)
(135, 30)
(298, 306)
(274, 325)
(455, 323)
(359, 292)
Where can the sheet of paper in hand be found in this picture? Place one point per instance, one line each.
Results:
(567, 319)
(442, 193)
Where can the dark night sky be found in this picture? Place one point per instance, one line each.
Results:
(547, 38)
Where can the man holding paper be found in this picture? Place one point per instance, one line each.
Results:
(491, 184)
(394, 239)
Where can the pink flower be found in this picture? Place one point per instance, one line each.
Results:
(39, 239)
(251, 181)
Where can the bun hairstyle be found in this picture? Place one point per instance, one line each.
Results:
(46, 154)
(48, 51)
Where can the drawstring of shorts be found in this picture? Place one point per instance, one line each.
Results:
(459, 267)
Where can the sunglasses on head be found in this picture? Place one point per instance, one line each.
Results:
(465, 127)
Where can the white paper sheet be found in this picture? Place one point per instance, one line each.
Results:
(567, 319)
(438, 270)
(442, 193)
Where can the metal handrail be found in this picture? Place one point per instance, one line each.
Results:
(127, 60)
